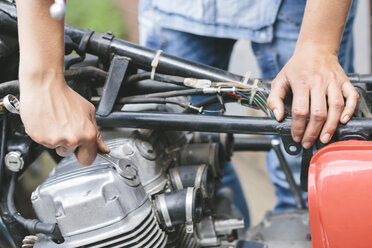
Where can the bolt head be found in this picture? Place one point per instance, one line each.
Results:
(127, 150)
(145, 149)
(14, 161)
(189, 229)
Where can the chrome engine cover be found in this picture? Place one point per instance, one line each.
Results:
(95, 207)
(91, 206)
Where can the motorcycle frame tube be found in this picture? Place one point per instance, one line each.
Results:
(361, 127)
(142, 57)
(194, 122)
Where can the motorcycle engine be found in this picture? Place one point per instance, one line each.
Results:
(169, 203)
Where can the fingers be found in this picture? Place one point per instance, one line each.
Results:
(64, 151)
(335, 108)
(300, 110)
(318, 115)
(87, 151)
(352, 97)
(101, 145)
(278, 91)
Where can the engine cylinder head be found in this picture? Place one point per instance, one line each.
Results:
(95, 207)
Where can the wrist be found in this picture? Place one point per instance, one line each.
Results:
(310, 47)
(33, 79)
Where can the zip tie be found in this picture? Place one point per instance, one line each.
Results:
(210, 90)
(155, 63)
(254, 90)
(247, 77)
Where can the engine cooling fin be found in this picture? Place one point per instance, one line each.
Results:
(146, 234)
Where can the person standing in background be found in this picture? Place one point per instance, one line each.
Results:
(206, 31)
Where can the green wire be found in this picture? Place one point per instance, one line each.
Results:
(261, 101)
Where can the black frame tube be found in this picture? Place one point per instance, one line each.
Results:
(296, 192)
(104, 47)
(252, 144)
(194, 122)
(361, 127)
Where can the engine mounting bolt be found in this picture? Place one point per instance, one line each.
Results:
(127, 150)
(145, 149)
(14, 161)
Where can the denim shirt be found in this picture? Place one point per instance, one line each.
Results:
(235, 19)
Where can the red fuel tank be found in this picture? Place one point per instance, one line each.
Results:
(340, 195)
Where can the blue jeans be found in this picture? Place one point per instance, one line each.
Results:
(271, 58)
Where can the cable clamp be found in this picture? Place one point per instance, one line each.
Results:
(247, 77)
(155, 63)
(188, 210)
(254, 90)
(210, 91)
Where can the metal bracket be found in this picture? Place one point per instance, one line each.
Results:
(109, 35)
(290, 146)
(113, 83)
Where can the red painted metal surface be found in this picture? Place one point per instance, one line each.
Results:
(340, 195)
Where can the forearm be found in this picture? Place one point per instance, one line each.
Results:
(319, 85)
(323, 24)
(40, 40)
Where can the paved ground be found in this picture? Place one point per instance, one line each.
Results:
(253, 176)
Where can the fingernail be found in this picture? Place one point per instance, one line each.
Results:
(276, 113)
(306, 145)
(325, 138)
(107, 150)
(297, 138)
(345, 118)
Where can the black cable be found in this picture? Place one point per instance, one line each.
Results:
(149, 87)
(32, 225)
(85, 72)
(73, 61)
(173, 93)
(2, 148)
(10, 87)
(210, 102)
(150, 100)
(158, 77)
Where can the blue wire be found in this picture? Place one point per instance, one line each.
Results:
(263, 95)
